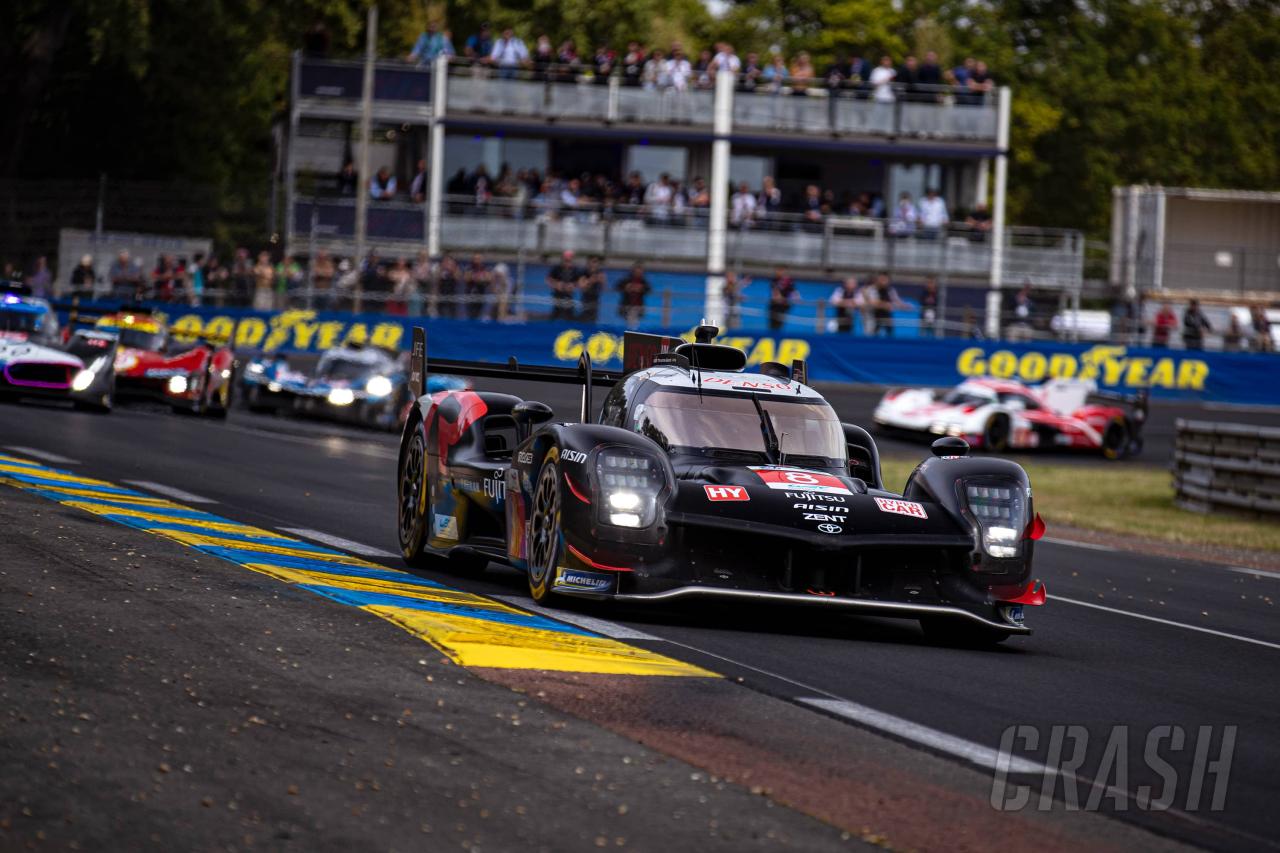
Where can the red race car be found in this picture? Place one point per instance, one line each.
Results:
(191, 375)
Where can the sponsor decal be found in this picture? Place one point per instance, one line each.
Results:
(496, 487)
(820, 507)
(588, 581)
(446, 527)
(524, 457)
(1109, 366)
(749, 384)
(830, 528)
(604, 347)
(824, 516)
(575, 456)
(900, 507)
(813, 496)
(791, 478)
(726, 493)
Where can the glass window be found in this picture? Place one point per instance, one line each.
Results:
(711, 425)
(652, 160)
(749, 168)
(966, 397)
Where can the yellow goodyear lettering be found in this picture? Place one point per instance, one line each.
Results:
(763, 351)
(1003, 364)
(1136, 374)
(1192, 373)
(1032, 367)
(357, 333)
(303, 334)
(219, 328)
(387, 335)
(1162, 374)
(329, 333)
(971, 362)
(601, 346)
(792, 349)
(187, 327)
(1062, 365)
(250, 332)
(568, 345)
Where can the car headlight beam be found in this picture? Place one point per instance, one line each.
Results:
(630, 482)
(83, 380)
(998, 509)
(378, 386)
(341, 397)
(178, 384)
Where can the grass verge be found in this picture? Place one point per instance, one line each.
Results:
(1118, 498)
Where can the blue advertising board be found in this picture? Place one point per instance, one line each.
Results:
(1241, 378)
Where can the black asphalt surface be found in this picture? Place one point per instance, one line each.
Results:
(1084, 666)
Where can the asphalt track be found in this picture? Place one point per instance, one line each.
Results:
(1126, 639)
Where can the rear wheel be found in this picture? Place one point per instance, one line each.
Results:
(996, 434)
(950, 631)
(1115, 440)
(413, 501)
(544, 531)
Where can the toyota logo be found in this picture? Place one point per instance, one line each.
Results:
(830, 528)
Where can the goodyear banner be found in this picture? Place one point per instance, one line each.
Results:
(1241, 378)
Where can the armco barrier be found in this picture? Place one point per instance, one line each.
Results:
(1227, 466)
(1241, 378)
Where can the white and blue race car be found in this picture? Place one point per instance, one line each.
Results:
(35, 362)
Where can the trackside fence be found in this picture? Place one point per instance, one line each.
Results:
(1220, 466)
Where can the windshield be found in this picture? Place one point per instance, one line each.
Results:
(957, 397)
(808, 432)
(19, 321)
(343, 369)
(141, 339)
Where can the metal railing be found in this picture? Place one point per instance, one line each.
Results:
(1223, 466)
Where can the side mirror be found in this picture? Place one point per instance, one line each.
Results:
(951, 445)
(528, 415)
(864, 456)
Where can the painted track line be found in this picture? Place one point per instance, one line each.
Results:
(1074, 544)
(600, 626)
(170, 492)
(42, 454)
(1169, 622)
(338, 542)
(1257, 573)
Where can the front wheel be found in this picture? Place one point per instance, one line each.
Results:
(951, 631)
(545, 539)
(413, 500)
(996, 434)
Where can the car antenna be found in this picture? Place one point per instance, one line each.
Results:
(773, 449)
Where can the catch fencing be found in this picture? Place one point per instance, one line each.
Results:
(1222, 466)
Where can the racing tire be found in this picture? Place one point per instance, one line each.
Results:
(1115, 440)
(960, 633)
(411, 501)
(224, 402)
(545, 537)
(995, 435)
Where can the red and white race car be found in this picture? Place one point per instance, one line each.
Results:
(1001, 414)
(192, 376)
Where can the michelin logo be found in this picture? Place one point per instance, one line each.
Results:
(573, 579)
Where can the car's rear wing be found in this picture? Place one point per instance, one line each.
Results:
(1140, 402)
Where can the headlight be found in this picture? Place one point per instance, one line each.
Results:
(342, 397)
(177, 384)
(378, 386)
(630, 482)
(83, 380)
(256, 369)
(998, 507)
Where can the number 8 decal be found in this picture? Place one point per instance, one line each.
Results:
(801, 478)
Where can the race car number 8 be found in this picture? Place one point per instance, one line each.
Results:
(801, 478)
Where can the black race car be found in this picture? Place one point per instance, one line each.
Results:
(701, 480)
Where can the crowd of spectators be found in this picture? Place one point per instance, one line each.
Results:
(861, 74)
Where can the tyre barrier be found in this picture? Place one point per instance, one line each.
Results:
(1222, 466)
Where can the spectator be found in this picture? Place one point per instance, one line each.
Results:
(838, 74)
(125, 278)
(734, 288)
(1194, 325)
(930, 75)
(933, 214)
(1262, 339)
(289, 281)
(801, 73)
(447, 278)
(679, 73)
(724, 60)
(348, 178)
(478, 47)
(782, 292)
(216, 280)
(382, 186)
(811, 208)
(263, 277)
(84, 279)
(509, 54)
(743, 207)
(656, 73)
(634, 288)
(500, 291)
(375, 284)
(401, 288)
(563, 281)
(752, 74)
(479, 280)
(769, 202)
(908, 78)
(905, 217)
(658, 199)
(775, 75)
(846, 302)
(979, 222)
(702, 70)
(1166, 321)
(1233, 336)
(980, 81)
(422, 278)
(431, 44)
(633, 64)
(1024, 309)
(164, 279)
(884, 301)
(569, 63)
(322, 273)
(962, 72)
(930, 308)
(195, 274)
(700, 200)
(882, 77)
(242, 278)
(590, 286)
(604, 61)
(41, 280)
(418, 188)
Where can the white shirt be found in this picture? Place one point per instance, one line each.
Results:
(882, 80)
(658, 198)
(933, 212)
(509, 52)
(744, 208)
(678, 72)
(727, 62)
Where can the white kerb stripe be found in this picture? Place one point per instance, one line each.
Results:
(590, 623)
(1257, 573)
(1074, 544)
(171, 492)
(923, 735)
(338, 542)
(1168, 622)
(43, 454)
